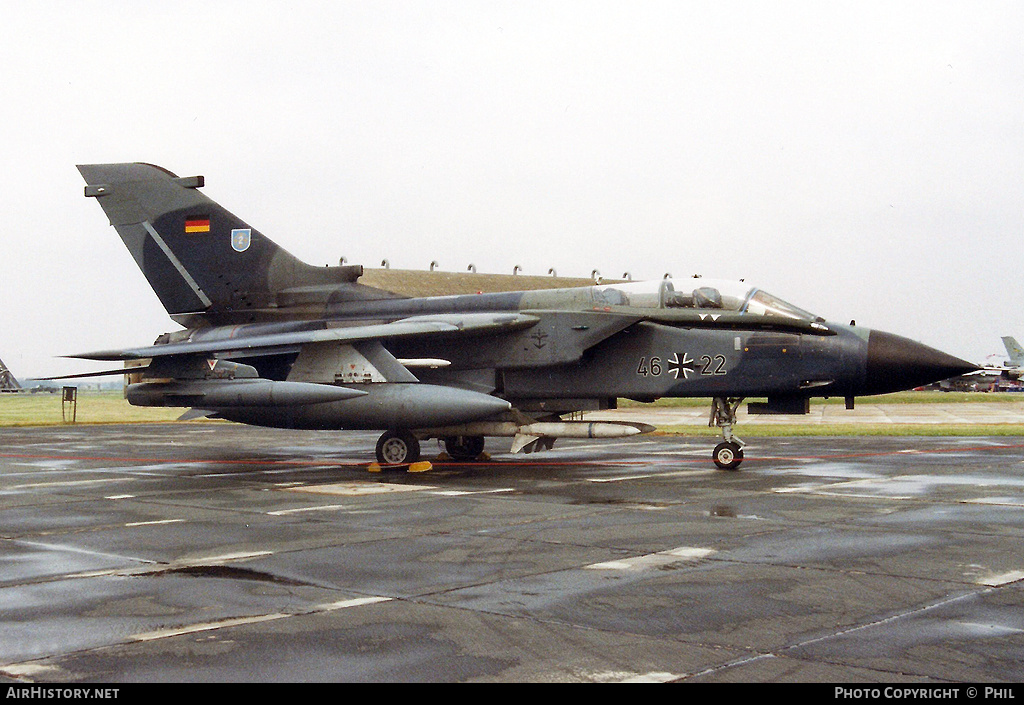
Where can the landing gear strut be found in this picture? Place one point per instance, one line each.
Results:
(729, 454)
(464, 447)
(398, 448)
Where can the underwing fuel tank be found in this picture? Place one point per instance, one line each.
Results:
(392, 405)
(235, 393)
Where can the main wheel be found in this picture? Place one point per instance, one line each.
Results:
(398, 448)
(464, 447)
(728, 456)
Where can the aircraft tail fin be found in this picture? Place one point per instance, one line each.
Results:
(7, 381)
(199, 258)
(1014, 350)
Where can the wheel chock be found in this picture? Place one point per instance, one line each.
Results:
(422, 466)
(374, 467)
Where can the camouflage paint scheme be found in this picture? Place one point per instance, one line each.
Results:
(271, 340)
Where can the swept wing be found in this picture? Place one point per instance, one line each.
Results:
(274, 343)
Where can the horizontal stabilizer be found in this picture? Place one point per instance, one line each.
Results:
(104, 373)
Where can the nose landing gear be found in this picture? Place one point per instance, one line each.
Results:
(729, 454)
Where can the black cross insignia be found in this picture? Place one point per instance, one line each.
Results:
(686, 366)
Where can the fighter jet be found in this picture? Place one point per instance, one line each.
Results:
(270, 340)
(991, 377)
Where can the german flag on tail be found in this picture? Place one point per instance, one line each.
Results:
(197, 224)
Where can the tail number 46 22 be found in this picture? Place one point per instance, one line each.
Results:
(680, 364)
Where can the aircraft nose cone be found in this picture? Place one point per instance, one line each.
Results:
(895, 363)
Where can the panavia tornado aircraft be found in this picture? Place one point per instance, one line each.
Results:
(270, 340)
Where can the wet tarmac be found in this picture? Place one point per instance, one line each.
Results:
(217, 552)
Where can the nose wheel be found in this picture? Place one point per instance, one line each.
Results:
(729, 454)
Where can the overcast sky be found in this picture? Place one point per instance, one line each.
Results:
(862, 160)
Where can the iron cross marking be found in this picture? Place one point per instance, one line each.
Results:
(686, 366)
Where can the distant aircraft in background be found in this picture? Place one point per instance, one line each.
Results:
(1015, 365)
(8, 383)
(991, 378)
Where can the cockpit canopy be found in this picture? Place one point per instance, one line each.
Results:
(713, 294)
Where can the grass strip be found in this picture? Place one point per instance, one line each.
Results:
(43, 409)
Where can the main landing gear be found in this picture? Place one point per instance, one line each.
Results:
(401, 447)
(464, 448)
(398, 448)
(729, 454)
